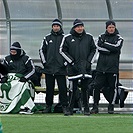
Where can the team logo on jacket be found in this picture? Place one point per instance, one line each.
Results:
(50, 41)
(72, 40)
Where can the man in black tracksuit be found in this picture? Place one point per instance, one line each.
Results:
(78, 50)
(54, 66)
(109, 46)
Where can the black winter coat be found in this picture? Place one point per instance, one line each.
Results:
(51, 59)
(78, 50)
(22, 65)
(109, 47)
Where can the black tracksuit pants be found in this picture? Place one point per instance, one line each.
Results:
(73, 86)
(100, 81)
(50, 85)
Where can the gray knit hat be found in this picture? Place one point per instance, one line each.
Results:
(57, 22)
(77, 22)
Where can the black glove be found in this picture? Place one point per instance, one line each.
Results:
(23, 79)
(100, 44)
(4, 79)
(44, 64)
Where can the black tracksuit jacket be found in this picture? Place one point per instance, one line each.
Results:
(80, 50)
(51, 59)
(23, 65)
(109, 47)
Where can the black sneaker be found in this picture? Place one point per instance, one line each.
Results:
(94, 110)
(47, 109)
(87, 111)
(69, 112)
(65, 111)
(111, 109)
(25, 110)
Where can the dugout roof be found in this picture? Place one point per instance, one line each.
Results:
(28, 21)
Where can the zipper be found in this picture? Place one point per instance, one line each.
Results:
(55, 43)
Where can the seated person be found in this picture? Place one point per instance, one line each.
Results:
(21, 69)
(19, 62)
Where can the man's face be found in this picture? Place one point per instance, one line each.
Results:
(13, 52)
(56, 28)
(79, 29)
(111, 29)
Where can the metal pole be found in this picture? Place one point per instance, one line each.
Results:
(59, 12)
(109, 9)
(8, 22)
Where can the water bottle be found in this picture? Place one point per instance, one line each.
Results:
(0, 127)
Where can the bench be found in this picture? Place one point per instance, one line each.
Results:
(122, 75)
(39, 89)
(42, 88)
(127, 75)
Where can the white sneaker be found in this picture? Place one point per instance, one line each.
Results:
(26, 110)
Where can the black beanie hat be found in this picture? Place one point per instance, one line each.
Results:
(77, 22)
(57, 22)
(110, 22)
(15, 45)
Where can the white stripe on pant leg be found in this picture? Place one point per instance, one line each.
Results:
(71, 90)
(115, 93)
(70, 86)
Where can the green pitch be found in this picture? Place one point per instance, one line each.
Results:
(57, 123)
